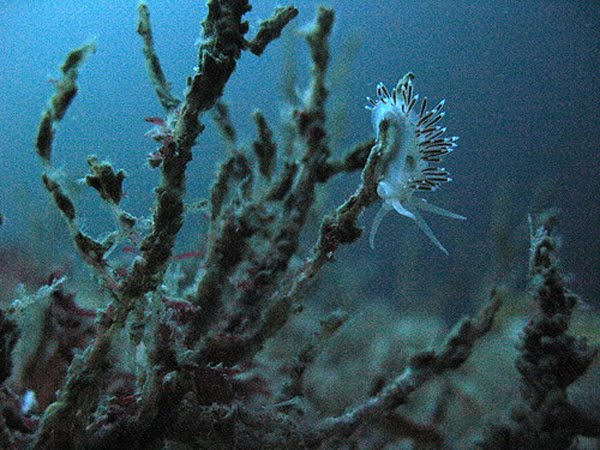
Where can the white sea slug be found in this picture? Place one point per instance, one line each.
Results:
(414, 143)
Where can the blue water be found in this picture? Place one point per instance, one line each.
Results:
(520, 79)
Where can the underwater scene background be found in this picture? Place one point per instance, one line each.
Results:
(522, 90)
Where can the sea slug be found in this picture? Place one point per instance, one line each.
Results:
(414, 143)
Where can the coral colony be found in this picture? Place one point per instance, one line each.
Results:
(178, 355)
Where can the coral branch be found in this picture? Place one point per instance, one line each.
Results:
(155, 72)
(354, 160)
(223, 42)
(271, 28)
(264, 146)
(423, 367)
(65, 421)
(66, 90)
(549, 359)
(92, 250)
(224, 123)
(104, 179)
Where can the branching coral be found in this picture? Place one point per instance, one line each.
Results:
(173, 363)
(549, 360)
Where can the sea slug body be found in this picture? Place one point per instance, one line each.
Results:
(414, 143)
